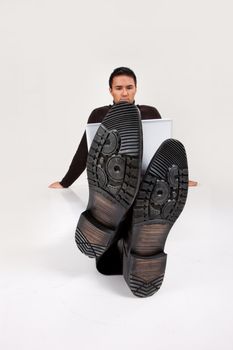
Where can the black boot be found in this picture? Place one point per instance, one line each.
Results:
(113, 170)
(159, 202)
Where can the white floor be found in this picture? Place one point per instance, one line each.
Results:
(52, 296)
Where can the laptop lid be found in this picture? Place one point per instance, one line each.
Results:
(155, 131)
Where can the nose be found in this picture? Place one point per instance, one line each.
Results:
(124, 92)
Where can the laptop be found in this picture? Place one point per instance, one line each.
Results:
(155, 131)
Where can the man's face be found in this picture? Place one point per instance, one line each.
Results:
(123, 89)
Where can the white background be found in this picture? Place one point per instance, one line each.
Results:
(55, 61)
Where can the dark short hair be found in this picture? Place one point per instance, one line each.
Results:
(122, 71)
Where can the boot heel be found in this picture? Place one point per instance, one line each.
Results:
(144, 275)
(91, 236)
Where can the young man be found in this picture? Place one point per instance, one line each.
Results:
(122, 87)
(127, 219)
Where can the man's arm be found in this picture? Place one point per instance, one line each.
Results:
(79, 160)
(77, 166)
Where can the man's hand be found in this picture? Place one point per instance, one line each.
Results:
(193, 183)
(56, 185)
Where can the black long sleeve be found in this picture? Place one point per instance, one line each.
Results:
(79, 160)
(78, 163)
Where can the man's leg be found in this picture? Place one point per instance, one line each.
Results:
(111, 262)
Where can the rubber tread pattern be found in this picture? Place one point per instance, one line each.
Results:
(123, 121)
(90, 249)
(143, 289)
(171, 155)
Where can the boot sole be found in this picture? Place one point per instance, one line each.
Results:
(160, 201)
(113, 171)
